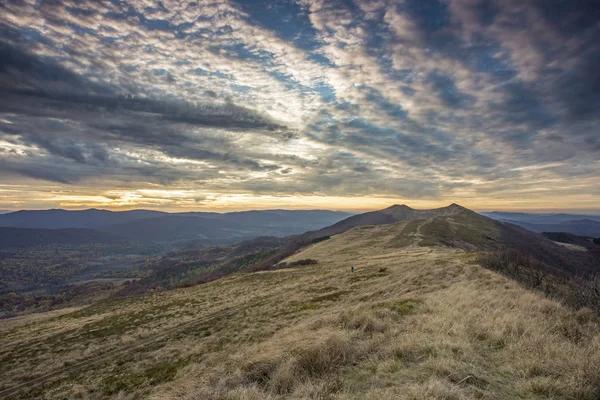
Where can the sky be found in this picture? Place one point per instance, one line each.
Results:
(349, 105)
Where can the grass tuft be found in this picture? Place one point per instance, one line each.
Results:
(402, 306)
(282, 375)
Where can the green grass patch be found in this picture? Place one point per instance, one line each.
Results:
(402, 306)
(498, 343)
(127, 381)
(299, 306)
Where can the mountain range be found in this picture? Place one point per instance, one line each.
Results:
(401, 226)
(577, 224)
(162, 227)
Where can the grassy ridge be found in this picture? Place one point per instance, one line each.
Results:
(409, 323)
(398, 311)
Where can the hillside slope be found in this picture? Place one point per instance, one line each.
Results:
(457, 227)
(179, 268)
(412, 322)
(388, 215)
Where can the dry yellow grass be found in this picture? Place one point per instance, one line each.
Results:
(410, 323)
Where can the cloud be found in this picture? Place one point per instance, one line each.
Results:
(24, 76)
(446, 89)
(34, 172)
(423, 99)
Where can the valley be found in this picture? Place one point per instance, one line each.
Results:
(58, 258)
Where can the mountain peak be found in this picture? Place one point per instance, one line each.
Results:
(397, 207)
(454, 207)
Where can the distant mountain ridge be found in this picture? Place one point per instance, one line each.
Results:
(174, 228)
(158, 226)
(59, 218)
(539, 218)
(582, 225)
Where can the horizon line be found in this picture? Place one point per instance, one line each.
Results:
(574, 211)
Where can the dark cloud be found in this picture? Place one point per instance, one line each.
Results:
(523, 105)
(23, 76)
(67, 148)
(570, 17)
(407, 90)
(579, 89)
(27, 73)
(227, 116)
(446, 89)
(48, 94)
(486, 11)
(430, 15)
(391, 109)
(416, 149)
(33, 171)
